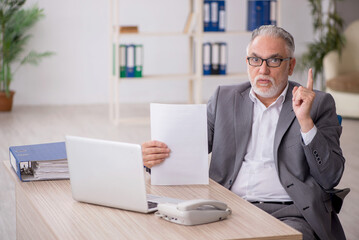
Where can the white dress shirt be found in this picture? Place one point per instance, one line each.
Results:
(258, 179)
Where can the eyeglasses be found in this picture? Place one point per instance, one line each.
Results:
(271, 62)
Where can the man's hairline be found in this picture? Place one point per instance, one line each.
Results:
(287, 48)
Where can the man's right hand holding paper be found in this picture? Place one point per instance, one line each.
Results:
(154, 152)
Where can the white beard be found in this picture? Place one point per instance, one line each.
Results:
(266, 93)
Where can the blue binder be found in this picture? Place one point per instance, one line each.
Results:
(23, 158)
(207, 58)
(215, 59)
(258, 13)
(130, 68)
(223, 56)
(221, 16)
(214, 16)
(273, 12)
(206, 15)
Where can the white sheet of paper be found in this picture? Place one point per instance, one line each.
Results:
(183, 127)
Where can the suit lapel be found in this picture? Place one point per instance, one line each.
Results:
(243, 117)
(286, 118)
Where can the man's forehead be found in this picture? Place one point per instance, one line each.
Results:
(267, 46)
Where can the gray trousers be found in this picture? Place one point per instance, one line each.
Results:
(290, 215)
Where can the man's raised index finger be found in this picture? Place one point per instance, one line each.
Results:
(310, 79)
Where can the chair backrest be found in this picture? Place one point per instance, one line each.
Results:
(340, 119)
(350, 54)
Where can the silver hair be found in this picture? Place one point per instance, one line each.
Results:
(274, 31)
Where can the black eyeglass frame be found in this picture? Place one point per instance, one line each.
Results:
(266, 60)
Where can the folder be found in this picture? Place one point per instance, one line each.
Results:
(223, 52)
(214, 16)
(258, 13)
(215, 59)
(138, 60)
(273, 12)
(46, 161)
(130, 68)
(206, 15)
(207, 58)
(221, 16)
(122, 59)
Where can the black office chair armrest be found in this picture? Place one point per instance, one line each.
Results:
(337, 196)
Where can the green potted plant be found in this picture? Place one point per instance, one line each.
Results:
(328, 26)
(15, 21)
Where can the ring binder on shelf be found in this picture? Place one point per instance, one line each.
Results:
(207, 58)
(130, 69)
(214, 16)
(215, 59)
(221, 16)
(260, 13)
(206, 16)
(123, 58)
(223, 58)
(138, 60)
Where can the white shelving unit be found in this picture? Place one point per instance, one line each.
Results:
(196, 38)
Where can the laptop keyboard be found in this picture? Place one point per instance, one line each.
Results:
(151, 204)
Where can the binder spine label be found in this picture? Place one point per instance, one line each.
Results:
(222, 16)
(206, 16)
(130, 61)
(273, 12)
(123, 61)
(223, 59)
(138, 60)
(215, 59)
(214, 16)
(206, 58)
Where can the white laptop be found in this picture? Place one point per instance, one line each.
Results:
(110, 174)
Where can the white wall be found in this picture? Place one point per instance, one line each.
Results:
(78, 31)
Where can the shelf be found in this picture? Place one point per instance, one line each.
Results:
(196, 37)
(246, 33)
(160, 77)
(177, 34)
(227, 76)
(155, 34)
(186, 76)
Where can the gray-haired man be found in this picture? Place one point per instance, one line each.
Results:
(273, 142)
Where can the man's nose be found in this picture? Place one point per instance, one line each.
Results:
(264, 69)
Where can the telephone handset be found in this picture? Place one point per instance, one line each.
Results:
(193, 212)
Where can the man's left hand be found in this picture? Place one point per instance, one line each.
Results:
(302, 103)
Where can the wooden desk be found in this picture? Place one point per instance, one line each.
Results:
(46, 210)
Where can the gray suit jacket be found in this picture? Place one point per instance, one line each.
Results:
(306, 172)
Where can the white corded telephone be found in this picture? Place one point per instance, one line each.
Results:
(193, 212)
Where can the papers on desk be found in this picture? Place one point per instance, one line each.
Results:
(184, 129)
(56, 169)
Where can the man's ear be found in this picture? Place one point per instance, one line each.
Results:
(292, 63)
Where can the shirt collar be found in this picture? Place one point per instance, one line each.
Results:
(280, 98)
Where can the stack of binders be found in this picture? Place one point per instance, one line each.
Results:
(261, 12)
(214, 16)
(131, 60)
(215, 58)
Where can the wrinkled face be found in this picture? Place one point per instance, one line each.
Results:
(269, 82)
